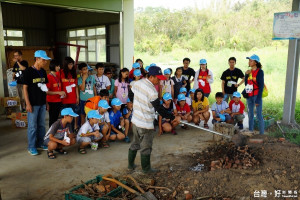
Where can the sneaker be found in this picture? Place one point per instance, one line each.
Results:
(32, 151)
(127, 139)
(43, 147)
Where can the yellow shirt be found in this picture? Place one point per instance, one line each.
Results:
(200, 105)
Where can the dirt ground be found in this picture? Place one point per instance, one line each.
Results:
(36, 177)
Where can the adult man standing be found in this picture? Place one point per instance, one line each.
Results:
(145, 103)
(18, 70)
(230, 78)
(34, 88)
(188, 73)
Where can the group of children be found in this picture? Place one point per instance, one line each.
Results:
(105, 108)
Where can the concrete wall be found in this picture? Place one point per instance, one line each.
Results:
(128, 33)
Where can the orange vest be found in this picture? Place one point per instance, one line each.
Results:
(92, 103)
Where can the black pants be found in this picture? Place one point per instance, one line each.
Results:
(54, 111)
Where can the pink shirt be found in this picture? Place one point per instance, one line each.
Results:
(122, 92)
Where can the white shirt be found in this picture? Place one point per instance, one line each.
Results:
(101, 83)
(143, 111)
(87, 128)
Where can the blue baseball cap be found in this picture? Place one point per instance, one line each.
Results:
(103, 104)
(13, 83)
(254, 57)
(236, 94)
(68, 111)
(137, 72)
(203, 62)
(192, 90)
(156, 71)
(183, 89)
(128, 100)
(41, 54)
(181, 97)
(93, 114)
(147, 68)
(222, 117)
(167, 96)
(89, 68)
(136, 65)
(116, 102)
(152, 64)
(167, 71)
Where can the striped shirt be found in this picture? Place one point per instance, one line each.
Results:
(143, 111)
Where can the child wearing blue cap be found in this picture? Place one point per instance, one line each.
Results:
(187, 99)
(86, 84)
(127, 114)
(166, 125)
(166, 85)
(89, 131)
(104, 123)
(117, 122)
(136, 75)
(203, 78)
(60, 133)
(237, 108)
(200, 108)
(220, 109)
(183, 110)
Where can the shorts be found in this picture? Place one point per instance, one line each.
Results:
(81, 104)
(48, 140)
(114, 133)
(227, 118)
(88, 139)
(165, 121)
(238, 118)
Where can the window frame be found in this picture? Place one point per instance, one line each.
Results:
(13, 38)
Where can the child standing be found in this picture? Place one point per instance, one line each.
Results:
(200, 108)
(220, 109)
(167, 85)
(109, 75)
(183, 110)
(204, 78)
(60, 133)
(102, 81)
(187, 99)
(121, 86)
(127, 114)
(117, 122)
(165, 125)
(87, 88)
(89, 131)
(136, 75)
(54, 94)
(179, 81)
(237, 107)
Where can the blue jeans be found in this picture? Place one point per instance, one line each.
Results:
(251, 104)
(36, 126)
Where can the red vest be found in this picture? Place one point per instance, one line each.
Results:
(203, 75)
(252, 81)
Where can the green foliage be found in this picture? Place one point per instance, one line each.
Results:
(225, 24)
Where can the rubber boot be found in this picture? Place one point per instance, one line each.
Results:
(146, 165)
(131, 158)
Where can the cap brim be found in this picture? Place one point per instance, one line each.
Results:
(46, 58)
(161, 77)
(248, 58)
(73, 115)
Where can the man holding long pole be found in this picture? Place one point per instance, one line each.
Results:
(145, 103)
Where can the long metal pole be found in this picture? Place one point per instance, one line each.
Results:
(205, 129)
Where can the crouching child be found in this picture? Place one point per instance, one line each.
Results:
(89, 131)
(183, 110)
(237, 108)
(60, 134)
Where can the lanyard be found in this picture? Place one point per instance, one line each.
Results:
(40, 74)
(56, 80)
(123, 86)
(92, 127)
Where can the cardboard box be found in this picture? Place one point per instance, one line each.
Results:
(10, 101)
(11, 112)
(20, 120)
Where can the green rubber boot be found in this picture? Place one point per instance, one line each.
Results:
(146, 165)
(131, 158)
